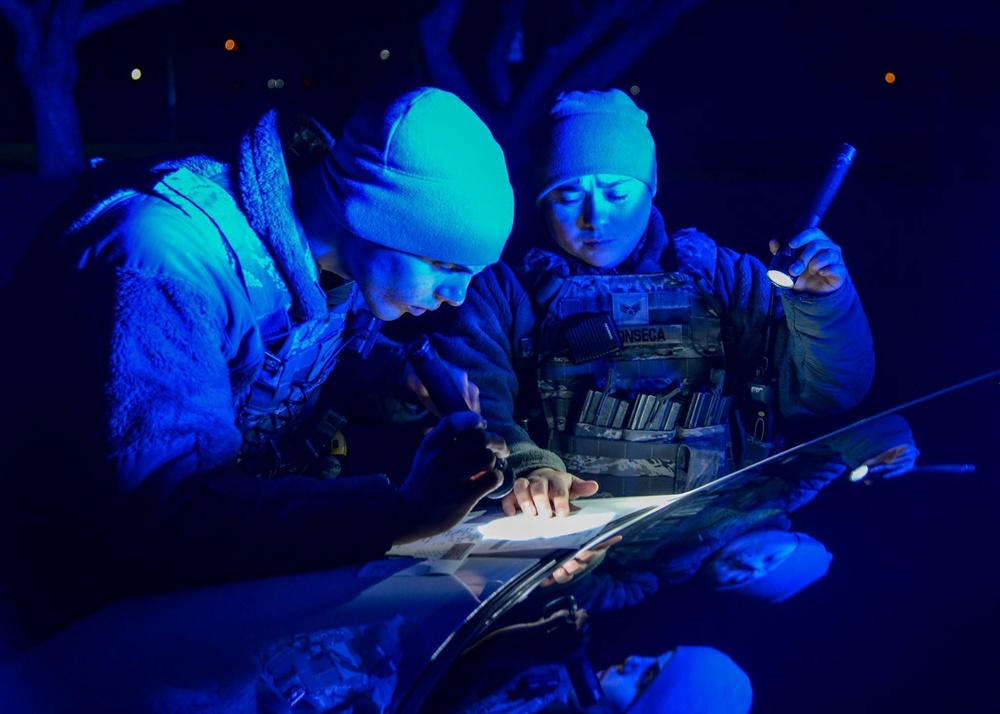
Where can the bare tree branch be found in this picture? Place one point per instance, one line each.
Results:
(498, 59)
(24, 17)
(47, 32)
(59, 27)
(20, 14)
(112, 11)
(637, 36)
(436, 30)
(558, 58)
(43, 30)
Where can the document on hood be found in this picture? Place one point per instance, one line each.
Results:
(484, 533)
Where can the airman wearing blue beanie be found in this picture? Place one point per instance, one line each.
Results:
(584, 297)
(210, 303)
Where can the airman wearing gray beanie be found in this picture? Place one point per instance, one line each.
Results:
(422, 175)
(593, 132)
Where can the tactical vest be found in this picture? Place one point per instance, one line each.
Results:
(270, 403)
(631, 370)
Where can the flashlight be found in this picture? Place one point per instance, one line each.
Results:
(864, 471)
(777, 272)
(447, 396)
(432, 372)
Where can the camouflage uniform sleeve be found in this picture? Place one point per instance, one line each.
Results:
(823, 345)
(484, 338)
(829, 352)
(192, 517)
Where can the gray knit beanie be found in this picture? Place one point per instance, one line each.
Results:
(422, 174)
(593, 132)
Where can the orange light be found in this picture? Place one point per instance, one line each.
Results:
(232, 45)
(890, 77)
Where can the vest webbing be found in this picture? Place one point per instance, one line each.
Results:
(670, 346)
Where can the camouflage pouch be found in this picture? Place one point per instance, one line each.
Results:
(623, 468)
(702, 455)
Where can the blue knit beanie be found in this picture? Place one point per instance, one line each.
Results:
(593, 132)
(422, 174)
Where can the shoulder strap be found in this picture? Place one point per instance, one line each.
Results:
(543, 274)
(183, 183)
(696, 253)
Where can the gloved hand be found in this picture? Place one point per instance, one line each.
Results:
(452, 470)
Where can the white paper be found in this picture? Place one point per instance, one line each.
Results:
(482, 534)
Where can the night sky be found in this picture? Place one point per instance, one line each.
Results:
(734, 88)
(747, 102)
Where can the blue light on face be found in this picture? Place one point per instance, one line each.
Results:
(598, 219)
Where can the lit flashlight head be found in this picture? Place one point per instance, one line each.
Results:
(777, 272)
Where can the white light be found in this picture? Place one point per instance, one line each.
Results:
(136, 74)
(384, 54)
(271, 84)
(279, 83)
(859, 473)
(780, 278)
(522, 527)
(634, 90)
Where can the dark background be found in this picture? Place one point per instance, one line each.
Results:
(747, 102)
